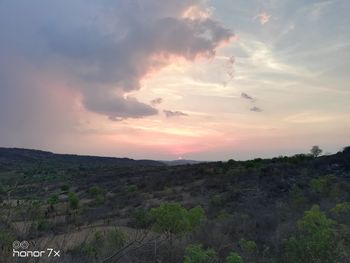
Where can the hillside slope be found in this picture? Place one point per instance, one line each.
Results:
(252, 208)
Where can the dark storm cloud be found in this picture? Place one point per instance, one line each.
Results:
(171, 114)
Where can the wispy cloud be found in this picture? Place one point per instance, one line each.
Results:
(246, 96)
(256, 109)
(156, 101)
(230, 67)
(318, 9)
(171, 114)
(315, 117)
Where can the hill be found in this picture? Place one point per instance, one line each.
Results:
(181, 162)
(284, 209)
(10, 156)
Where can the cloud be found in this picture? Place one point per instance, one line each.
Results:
(156, 101)
(246, 96)
(263, 18)
(117, 107)
(104, 49)
(230, 67)
(171, 114)
(256, 109)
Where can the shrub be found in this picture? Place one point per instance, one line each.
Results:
(53, 199)
(91, 248)
(65, 187)
(223, 214)
(95, 190)
(88, 249)
(131, 188)
(42, 224)
(117, 238)
(73, 200)
(195, 217)
(248, 246)
(315, 241)
(216, 200)
(173, 219)
(233, 257)
(341, 208)
(321, 184)
(142, 219)
(98, 194)
(6, 238)
(297, 196)
(196, 254)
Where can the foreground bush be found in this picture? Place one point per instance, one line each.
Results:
(233, 257)
(196, 254)
(315, 241)
(173, 219)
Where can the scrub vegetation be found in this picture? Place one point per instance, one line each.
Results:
(285, 209)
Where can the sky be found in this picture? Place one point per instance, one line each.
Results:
(184, 79)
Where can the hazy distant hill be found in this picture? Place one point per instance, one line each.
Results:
(181, 162)
(24, 156)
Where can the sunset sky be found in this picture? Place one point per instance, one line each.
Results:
(192, 79)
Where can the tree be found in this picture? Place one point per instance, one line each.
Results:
(196, 254)
(173, 219)
(316, 151)
(316, 240)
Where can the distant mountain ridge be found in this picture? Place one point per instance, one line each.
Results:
(15, 155)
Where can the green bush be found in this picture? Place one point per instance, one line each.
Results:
(216, 200)
(248, 246)
(42, 224)
(88, 249)
(196, 254)
(95, 190)
(6, 238)
(101, 243)
(233, 257)
(341, 209)
(98, 194)
(117, 238)
(53, 199)
(297, 196)
(131, 188)
(321, 185)
(315, 241)
(73, 200)
(195, 216)
(223, 214)
(173, 219)
(65, 188)
(142, 218)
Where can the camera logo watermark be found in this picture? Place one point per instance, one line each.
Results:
(20, 250)
(17, 245)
